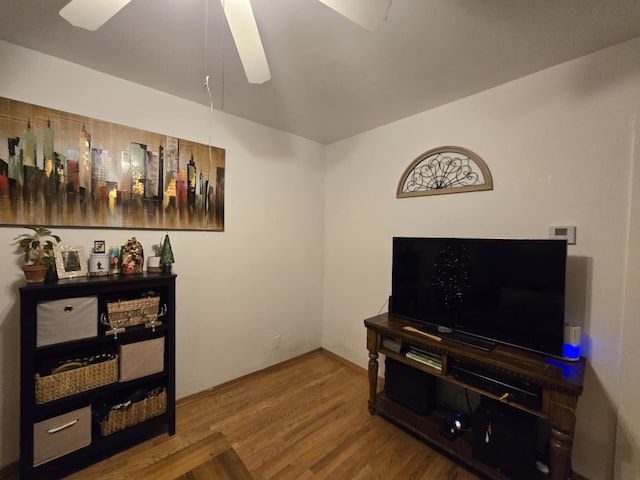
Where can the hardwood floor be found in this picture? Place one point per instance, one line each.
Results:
(304, 419)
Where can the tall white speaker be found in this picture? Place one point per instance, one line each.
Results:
(571, 347)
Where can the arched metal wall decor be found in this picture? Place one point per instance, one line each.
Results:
(445, 170)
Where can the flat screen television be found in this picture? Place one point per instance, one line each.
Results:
(508, 291)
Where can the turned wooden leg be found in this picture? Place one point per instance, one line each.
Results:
(560, 455)
(373, 344)
(373, 381)
(562, 422)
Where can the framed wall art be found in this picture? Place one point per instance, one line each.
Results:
(62, 169)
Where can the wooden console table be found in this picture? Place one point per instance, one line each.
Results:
(560, 385)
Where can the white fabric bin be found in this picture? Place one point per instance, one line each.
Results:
(57, 436)
(141, 359)
(66, 319)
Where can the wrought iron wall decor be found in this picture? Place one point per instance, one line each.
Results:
(62, 169)
(445, 170)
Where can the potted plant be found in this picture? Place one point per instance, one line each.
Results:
(153, 262)
(38, 253)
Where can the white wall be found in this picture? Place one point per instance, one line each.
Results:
(235, 290)
(559, 144)
(628, 440)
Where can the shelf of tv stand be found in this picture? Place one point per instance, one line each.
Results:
(561, 385)
(427, 428)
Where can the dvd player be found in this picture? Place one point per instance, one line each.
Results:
(506, 387)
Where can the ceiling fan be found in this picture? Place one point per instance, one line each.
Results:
(369, 14)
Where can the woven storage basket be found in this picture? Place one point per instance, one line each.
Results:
(128, 313)
(136, 413)
(63, 384)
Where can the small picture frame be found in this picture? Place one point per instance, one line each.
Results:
(70, 261)
(99, 246)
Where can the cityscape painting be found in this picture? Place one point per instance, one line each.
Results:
(62, 169)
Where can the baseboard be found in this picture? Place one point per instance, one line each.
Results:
(344, 361)
(235, 381)
(10, 472)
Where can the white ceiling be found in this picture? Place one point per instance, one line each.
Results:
(330, 78)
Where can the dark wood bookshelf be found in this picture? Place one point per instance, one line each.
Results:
(105, 289)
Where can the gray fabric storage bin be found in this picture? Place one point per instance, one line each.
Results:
(141, 359)
(66, 319)
(57, 436)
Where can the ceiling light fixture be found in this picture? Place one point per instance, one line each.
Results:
(369, 14)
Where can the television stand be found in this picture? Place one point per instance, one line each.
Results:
(555, 386)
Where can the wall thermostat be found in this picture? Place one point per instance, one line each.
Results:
(563, 233)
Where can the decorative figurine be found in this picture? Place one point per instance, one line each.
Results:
(132, 257)
(166, 255)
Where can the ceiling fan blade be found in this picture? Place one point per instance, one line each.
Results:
(247, 39)
(368, 14)
(91, 14)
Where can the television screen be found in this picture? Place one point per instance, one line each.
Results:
(505, 290)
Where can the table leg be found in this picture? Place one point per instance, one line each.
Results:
(372, 346)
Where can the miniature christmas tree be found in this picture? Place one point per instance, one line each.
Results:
(166, 255)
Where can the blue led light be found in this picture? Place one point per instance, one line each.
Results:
(571, 352)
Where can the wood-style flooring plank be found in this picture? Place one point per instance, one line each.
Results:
(305, 419)
(224, 466)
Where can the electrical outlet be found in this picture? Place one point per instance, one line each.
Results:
(276, 341)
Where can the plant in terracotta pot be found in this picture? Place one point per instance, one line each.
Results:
(38, 256)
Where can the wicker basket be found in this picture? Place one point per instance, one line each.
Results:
(128, 313)
(136, 413)
(63, 384)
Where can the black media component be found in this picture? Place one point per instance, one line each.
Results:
(513, 389)
(505, 439)
(453, 425)
(509, 291)
(409, 386)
